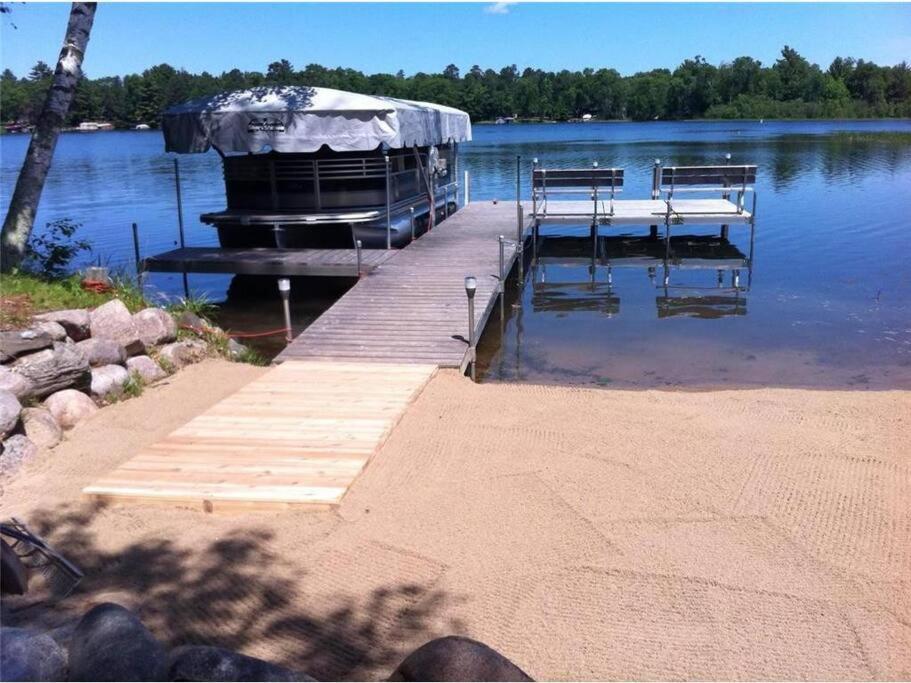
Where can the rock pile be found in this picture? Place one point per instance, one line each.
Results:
(110, 643)
(57, 372)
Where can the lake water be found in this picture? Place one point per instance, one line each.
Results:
(828, 301)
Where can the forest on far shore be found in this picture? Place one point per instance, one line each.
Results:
(792, 87)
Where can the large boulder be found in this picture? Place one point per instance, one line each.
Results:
(16, 343)
(9, 412)
(55, 331)
(51, 370)
(203, 663)
(108, 380)
(100, 351)
(113, 321)
(111, 644)
(455, 658)
(17, 450)
(147, 369)
(75, 321)
(70, 407)
(41, 427)
(15, 383)
(182, 353)
(29, 656)
(155, 326)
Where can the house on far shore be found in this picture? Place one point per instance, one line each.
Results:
(95, 125)
(501, 120)
(143, 126)
(586, 118)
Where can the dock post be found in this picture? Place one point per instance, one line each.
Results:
(518, 180)
(186, 284)
(502, 280)
(466, 189)
(656, 179)
(520, 242)
(725, 196)
(136, 254)
(471, 286)
(656, 194)
(388, 201)
(412, 223)
(357, 252)
(284, 290)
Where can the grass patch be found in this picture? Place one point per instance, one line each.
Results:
(23, 295)
(197, 304)
(134, 386)
(251, 357)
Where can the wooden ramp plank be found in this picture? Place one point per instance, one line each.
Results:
(297, 436)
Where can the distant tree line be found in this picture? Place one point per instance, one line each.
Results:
(792, 87)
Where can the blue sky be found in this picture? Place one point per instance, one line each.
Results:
(374, 37)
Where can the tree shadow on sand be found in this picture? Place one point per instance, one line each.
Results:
(237, 593)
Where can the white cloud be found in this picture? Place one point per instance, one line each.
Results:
(499, 7)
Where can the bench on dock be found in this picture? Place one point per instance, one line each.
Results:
(594, 182)
(723, 180)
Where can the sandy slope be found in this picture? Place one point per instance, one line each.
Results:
(585, 533)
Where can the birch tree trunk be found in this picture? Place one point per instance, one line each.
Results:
(24, 203)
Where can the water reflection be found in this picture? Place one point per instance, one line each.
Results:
(657, 257)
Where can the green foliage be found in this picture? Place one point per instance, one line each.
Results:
(23, 295)
(50, 252)
(791, 87)
(198, 304)
(251, 356)
(134, 386)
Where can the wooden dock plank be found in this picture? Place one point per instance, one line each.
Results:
(413, 307)
(297, 436)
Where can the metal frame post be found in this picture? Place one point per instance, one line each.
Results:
(139, 269)
(726, 196)
(388, 200)
(501, 285)
(411, 210)
(534, 193)
(656, 179)
(520, 243)
(357, 255)
(656, 194)
(180, 232)
(467, 189)
(518, 180)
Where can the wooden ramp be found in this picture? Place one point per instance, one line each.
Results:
(297, 436)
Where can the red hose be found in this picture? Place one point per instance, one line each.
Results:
(239, 335)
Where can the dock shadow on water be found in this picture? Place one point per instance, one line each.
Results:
(699, 311)
(242, 590)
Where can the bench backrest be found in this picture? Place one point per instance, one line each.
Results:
(711, 176)
(581, 178)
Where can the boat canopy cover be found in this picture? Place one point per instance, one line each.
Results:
(303, 119)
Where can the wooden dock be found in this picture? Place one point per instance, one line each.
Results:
(297, 436)
(413, 308)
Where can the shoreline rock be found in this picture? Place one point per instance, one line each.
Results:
(70, 407)
(113, 321)
(41, 427)
(10, 408)
(75, 321)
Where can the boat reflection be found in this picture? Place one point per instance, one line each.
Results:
(660, 258)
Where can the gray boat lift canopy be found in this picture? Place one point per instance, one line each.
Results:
(303, 119)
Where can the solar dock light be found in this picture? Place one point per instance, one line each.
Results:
(471, 287)
(284, 290)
